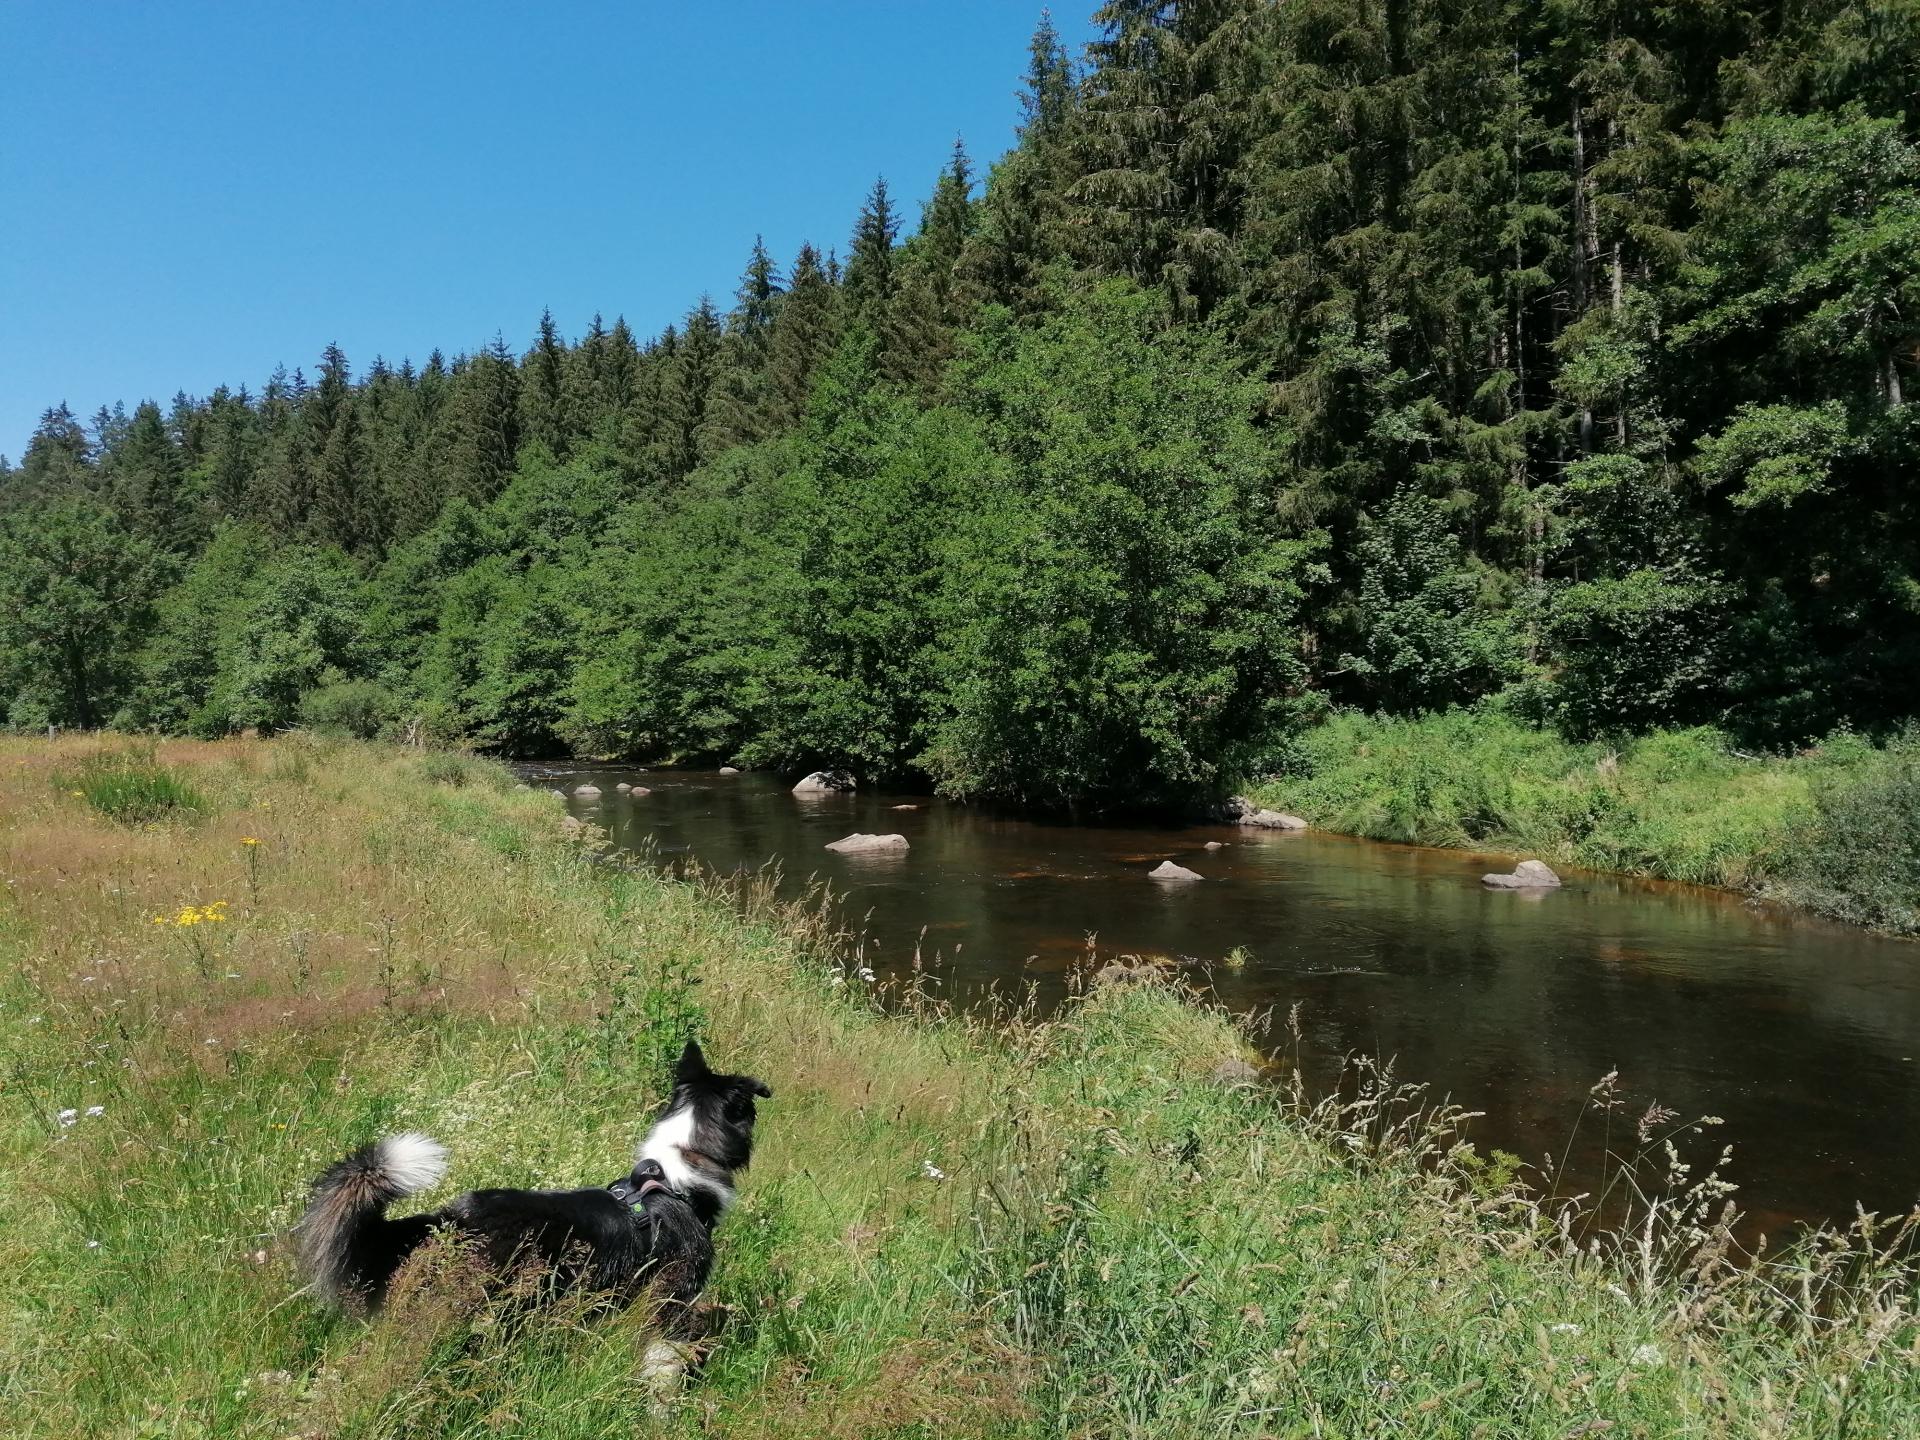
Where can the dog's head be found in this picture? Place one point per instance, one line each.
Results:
(704, 1133)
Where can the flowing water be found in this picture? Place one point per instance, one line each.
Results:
(1803, 1037)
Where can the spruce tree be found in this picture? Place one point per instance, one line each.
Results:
(147, 480)
(869, 282)
(805, 332)
(546, 409)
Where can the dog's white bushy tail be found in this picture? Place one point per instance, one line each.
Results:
(353, 1195)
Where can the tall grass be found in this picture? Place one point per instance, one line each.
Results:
(1836, 827)
(130, 786)
(1058, 1228)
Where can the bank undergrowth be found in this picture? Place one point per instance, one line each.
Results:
(1833, 828)
(1046, 1228)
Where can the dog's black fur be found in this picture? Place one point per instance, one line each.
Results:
(651, 1229)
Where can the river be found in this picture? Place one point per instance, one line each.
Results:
(1802, 1036)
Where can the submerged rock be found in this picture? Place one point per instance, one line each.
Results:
(1118, 972)
(1216, 844)
(1527, 875)
(634, 792)
(1273, 820)
(1235, 1071)
(825, 782)
(1167, 870)
(862, 844)
(586, 792)
(623, 787)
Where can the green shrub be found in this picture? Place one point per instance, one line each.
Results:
(357, 708)
(132, 787)
(1856, 857)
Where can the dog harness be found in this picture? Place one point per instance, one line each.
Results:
(633, 1196)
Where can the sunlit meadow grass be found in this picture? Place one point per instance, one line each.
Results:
(1045, 1229)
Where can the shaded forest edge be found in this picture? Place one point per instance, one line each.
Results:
(250, 957)
(1298, 363)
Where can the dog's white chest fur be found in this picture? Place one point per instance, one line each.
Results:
(667, 1144)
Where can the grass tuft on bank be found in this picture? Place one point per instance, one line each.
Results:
(1057, 1227)
(1834, 828)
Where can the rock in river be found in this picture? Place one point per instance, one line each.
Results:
(623, 787)
(863, 844)
(586, 792)
(1167, 870)
(728, 770)
(825, 782)
(1273, 820)
(1527, 875)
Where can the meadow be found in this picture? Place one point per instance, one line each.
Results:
(225, 963)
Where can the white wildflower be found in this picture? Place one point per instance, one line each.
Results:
(94, 1112)
(932, 1171)
(1565, 1327)
(67, 1117)
(93, 1244)
(1648, 1356)
(866, 974)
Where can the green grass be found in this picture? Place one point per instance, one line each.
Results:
(1680, 805)
(1042, 1229)
(129, 786)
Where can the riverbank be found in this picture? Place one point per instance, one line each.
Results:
(1834, 829)
(1081, 1226)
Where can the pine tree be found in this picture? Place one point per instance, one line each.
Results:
(739, 411)
(57, 455)
(869, 282)
(481, 425)
(546, 408)
(336, 459)
(687, 391)
(805, 332)
(146, 476)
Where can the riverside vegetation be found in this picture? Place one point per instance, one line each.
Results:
(1551, 360)
(1076, 1226)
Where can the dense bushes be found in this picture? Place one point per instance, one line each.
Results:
(1857, 856)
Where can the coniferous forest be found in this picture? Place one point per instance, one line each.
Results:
(1552, 355)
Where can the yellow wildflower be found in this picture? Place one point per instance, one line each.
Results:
(249, 840)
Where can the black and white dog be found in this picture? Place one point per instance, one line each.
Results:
(650, 1229)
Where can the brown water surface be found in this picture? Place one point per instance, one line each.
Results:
(1803, 1036)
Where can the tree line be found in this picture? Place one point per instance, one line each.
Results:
(1393, 356)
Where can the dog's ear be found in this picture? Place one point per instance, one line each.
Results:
(692, 1066)
(758, 1086)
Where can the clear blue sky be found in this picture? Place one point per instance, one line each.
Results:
(196, 192)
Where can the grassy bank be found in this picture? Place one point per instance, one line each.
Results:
(1835, 828)
(1050, 1229)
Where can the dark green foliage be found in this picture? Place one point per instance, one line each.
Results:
(1636, 653)
(77, 589)
(1121, 622)
(362, 709)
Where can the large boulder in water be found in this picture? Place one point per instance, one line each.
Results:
(586, 792)
(1272, 820)
(1167, 870)
(728, 770)
(1527, 875)
(825, 782)
(863, 844)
